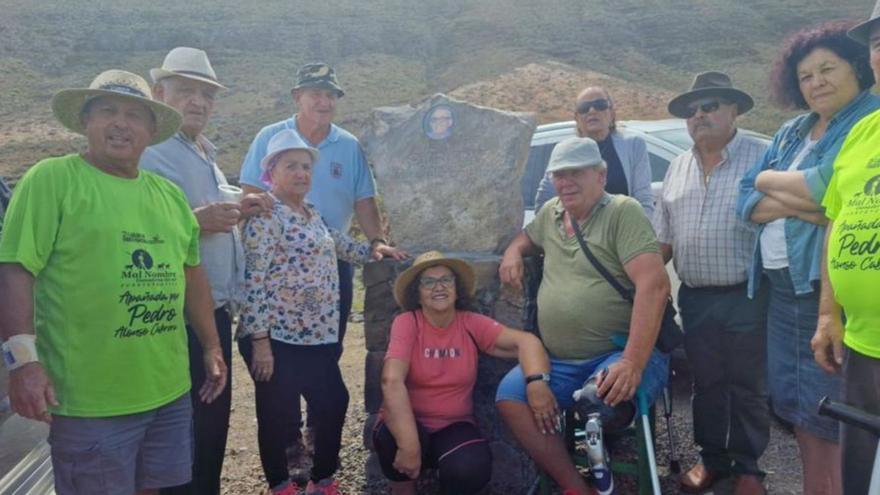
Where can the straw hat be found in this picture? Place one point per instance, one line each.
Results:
(187, 62)
(462, 270)
(67, 104)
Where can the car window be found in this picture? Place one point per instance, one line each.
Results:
(539, 156)
(678, 137)
(658, 167)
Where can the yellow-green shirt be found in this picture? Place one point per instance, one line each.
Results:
(108, 257)
(578, 310)
(852, 202)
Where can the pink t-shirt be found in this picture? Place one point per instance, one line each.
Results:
(442, 363)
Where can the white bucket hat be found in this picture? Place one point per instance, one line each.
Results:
(187, 62)
(67, 104)
(285, 140)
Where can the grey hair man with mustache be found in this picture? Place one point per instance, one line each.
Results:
(725, 331)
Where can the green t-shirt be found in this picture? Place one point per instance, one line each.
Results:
(108, 258)
(578, 310)
(852, 201)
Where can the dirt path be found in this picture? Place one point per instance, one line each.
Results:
(242, 473)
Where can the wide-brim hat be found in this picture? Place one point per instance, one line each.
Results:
(67, 104)
(860, 32)
(574, 152)
(462, 269)
(318, 75)
(708, 84)
(187, 62)
(285, 140)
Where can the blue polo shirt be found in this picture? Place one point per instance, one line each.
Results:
(340, 178)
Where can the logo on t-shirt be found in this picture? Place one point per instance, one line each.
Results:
(442, 353)
(872, 187)
(336, 170)
(874, 162)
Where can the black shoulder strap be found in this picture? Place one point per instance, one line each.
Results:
(624, 293)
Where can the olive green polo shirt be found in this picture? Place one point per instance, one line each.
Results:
(578, 311)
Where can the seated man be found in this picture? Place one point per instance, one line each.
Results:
(579, 311)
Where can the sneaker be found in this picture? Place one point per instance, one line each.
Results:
(327, 486)
(290, 489)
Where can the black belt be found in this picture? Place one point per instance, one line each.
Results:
(718, 289)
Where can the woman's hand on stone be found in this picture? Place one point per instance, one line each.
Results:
(382, 250)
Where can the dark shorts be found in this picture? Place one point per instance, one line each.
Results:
(796, 383)
(123, 454)
(459, 452)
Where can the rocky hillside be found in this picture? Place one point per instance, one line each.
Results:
(525, 55)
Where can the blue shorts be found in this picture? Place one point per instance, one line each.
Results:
(567, 375)
(119, 455)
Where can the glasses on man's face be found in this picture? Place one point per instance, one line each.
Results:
(430, 282)
(600, 105)
(706, 106)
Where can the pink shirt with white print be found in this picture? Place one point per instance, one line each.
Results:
(442, 363)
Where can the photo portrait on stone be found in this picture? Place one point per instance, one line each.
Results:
(439, 122)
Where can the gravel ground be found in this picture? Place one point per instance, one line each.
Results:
(242, 473)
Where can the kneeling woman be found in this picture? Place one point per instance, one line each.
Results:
(290, 315)
(429, 376)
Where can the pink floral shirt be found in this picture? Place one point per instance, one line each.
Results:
(291, 286)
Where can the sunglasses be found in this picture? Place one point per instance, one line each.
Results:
(600, 105)
(707, 107)
(429, 282)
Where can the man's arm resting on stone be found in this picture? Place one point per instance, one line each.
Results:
(199, 307)
(367, 213)
(30, 390)
(511, 268)
(652, 291)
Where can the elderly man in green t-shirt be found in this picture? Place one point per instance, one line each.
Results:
(578, 309)
(99, 260)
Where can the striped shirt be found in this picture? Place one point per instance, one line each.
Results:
(697, 216)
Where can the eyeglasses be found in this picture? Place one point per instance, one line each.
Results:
(429, 282)
(707, 107)
(600, 105)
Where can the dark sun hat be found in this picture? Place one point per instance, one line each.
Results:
(707, 84)
(318, 75)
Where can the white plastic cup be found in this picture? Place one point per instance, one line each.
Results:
(230, 193)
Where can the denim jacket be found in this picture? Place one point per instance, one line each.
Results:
(803, 239)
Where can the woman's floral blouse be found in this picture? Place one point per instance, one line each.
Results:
(291, 287)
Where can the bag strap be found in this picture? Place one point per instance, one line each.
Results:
(624, 293)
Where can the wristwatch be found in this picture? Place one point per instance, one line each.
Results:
(538, 376)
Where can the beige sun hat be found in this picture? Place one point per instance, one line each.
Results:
(67, 104)
(461, 268)
(187, 62)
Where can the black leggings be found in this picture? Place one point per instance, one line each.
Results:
(310, 370)
(459, 452)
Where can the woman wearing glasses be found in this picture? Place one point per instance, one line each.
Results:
(821, 70)
(428, 379)
(629, 170)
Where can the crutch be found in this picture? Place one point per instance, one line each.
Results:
(644, 411)
(674, 465)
